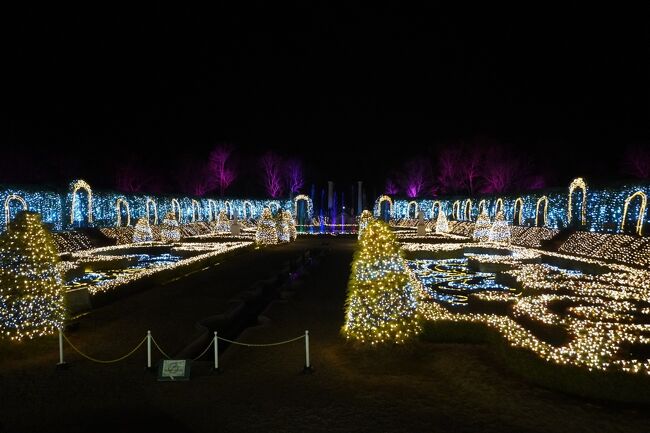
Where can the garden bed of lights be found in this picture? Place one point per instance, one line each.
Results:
(604, 312)
(104, 269)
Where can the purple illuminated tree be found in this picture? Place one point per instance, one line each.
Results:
(294, 174)
(272, 173)
(416, 177)
(391, 187)
(222, 166)
(503, 171)
(196, 178)
(131, 178)
(449, 170)
(636, 162)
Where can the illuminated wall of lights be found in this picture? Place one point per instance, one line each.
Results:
(602, 209)
(79, 205)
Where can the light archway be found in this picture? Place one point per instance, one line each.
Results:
(248, 214)
(543, 199)
(310, 205)
(148, 205)
(467, 209)
(498, 206)
(481, 206)
(74, 188)
(212, 210)
(578, 183)
(8, 200)
(639, 220)
(196, 211)
(433, 208)
(408, 209)
(177, 206)
(518, 211)
(378, 203)
(118, 212)
(228, 207)
(455, 210)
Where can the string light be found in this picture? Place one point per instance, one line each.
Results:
(482, 227)
(75, 186)
(500, 230)
(517, 215)
(8, 201)
(639, 222)
(467, 209)
(31, 289)
(118, 211)
(266, 233)
(545, 214)
(170, 231)
(142, 232)
(379, 201)
(383, 293)
(310, 205)
(578, 183)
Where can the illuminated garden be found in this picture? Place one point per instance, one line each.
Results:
(277, 217)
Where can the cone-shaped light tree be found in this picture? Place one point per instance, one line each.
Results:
(142, 231)
(170, 231)
(364, 219)
(482, 227)
(382, 304)
(292, 225)
(442, 225)
(31, 289)
(266, 233)
(500, 230)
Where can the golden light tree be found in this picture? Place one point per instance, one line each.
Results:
(31, 288)
(442, 225)
(293, 233)
(282, 226)
(266, 233)
(500, 230)
(170, 230)
(364, 219)
(383, 294)
(142, 231)
(223, 224)
(482, 227)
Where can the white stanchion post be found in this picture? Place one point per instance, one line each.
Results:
(216, 351)
(307, 362)
(149, 349)
(61, 362)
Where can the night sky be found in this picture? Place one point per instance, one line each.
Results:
(85, 90)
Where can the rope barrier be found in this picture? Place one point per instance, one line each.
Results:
(262, 345)
(204, 352)
(111, 361)
(155, 343)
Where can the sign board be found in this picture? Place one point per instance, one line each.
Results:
(174, 369)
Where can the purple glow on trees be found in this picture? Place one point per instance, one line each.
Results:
(449, 170)
(272, 173)
(130, 178)
(222, 167)
(391, 187)
(503, 171)
(294, 174)
(196, 179)
(416, 177)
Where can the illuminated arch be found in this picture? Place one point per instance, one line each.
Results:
(378, 203)
(519, 201)
(212, 210)
(310, 205)
(481, 206)
(498, 206)
(408, 209)
(196, 211)
(250, 206)
(228, 207)
(75, 187)
(433, 208)
(118, 211)
(8, 201)
(578, 183)
(467, 209)
(545, 214)
(273, 203)
(155, 211)
(639, 221)
(455, 210)
(177, 205)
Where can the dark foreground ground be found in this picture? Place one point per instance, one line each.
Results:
(422, 388)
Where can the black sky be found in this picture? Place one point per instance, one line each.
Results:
(85, 88)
